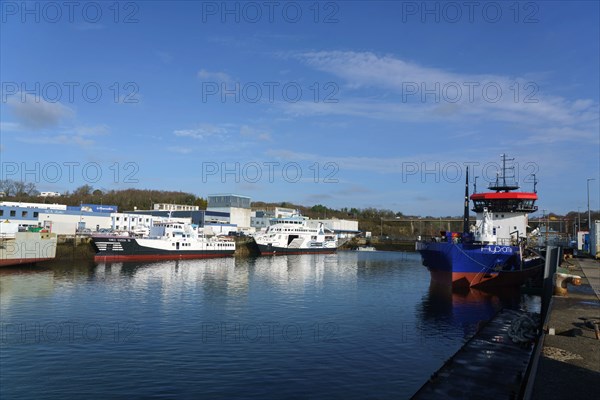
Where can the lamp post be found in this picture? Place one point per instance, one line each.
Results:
(588, 203)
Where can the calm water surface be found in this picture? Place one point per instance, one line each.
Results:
(348, 325)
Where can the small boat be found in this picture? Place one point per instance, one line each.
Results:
(17, 247)
(366, 248)
(293, 236)
(166, 241)
(495, 252)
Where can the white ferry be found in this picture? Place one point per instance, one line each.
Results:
(166, 241)
(293, 236)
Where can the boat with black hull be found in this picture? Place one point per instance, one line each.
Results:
(494, 252)
(293, 236)
(166, 241)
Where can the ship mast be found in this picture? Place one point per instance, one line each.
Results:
(502, 184)
(466, 205)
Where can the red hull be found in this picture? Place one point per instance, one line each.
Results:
(22, 261)
(479, 280)
(155, 257)
(482, 281)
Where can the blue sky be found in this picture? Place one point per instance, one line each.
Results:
(343, 103)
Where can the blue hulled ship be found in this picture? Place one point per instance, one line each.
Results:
(494, 251)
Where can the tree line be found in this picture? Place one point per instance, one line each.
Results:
(125, 200)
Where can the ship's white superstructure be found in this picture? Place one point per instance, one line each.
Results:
(292, 235)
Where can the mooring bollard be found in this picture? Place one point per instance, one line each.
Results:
(561, 280)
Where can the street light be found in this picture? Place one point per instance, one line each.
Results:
(588, 201)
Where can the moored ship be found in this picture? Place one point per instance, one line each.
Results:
(293, 236)
(33, 245)
(494, 252)
(166, 241)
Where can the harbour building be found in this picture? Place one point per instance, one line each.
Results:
(238, 208)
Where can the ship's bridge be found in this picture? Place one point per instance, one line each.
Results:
(505, 202)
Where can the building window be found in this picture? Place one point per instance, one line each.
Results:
(13, 213)
(35, 214)
(23, 213)
(1, 213)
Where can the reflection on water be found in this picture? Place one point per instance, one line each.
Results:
(15, 283)
(346, 325)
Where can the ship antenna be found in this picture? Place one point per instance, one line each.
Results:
(466, 210)
(504, 170)
(497, 180)
(535, 182)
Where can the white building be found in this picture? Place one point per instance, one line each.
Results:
(130, 222)
(49, 194)
(174, 207)
(67, 223)
(238, 208)
(19, 204)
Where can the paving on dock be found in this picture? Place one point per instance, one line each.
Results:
(569, 364)
(488, 366)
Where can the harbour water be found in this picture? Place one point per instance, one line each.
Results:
(350, 325)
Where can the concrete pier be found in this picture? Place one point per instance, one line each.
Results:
(488, 366)
(568, 365)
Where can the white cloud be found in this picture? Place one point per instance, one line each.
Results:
(201, 132)
(80, 135)
(259, 134)
(213, 76)
(38, 114)
(10, 127)
(386, 87)
(96, 130)
(179, 149)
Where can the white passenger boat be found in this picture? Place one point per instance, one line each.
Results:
(293, 236)
(166, 241)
